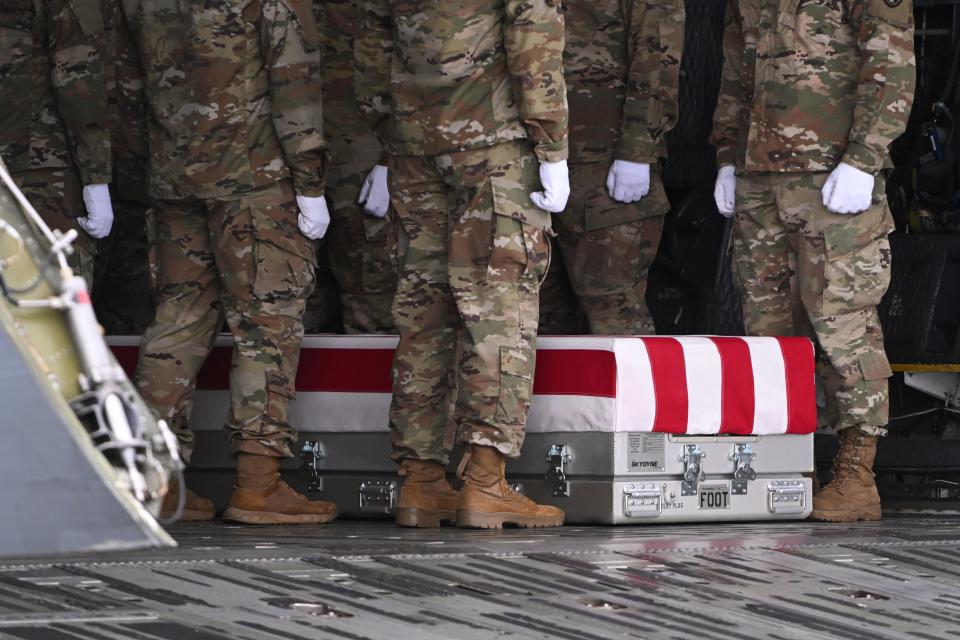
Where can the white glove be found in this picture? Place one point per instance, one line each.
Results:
(628, 181)
(555, 179)
(375, 194)
(314, 216)
(725, 190)
(99, 219)
(848, 190)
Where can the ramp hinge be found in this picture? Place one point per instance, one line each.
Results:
(692, 458)
(558, 457)
(312, 454)
(743, 456)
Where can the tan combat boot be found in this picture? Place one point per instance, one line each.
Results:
(488, 502)
(852, 494)
(426, 498)
(261, 497)
(195, 508)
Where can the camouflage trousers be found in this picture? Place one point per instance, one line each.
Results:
(467, 304)
(57, 195)
(362, 253)
(803, 270)
(607, 248)
(124, 301)
(239, 259)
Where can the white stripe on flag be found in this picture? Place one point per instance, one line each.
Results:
(636, 399)
(769, 385)
(704, 385)
(571, 413)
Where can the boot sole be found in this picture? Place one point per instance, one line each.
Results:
(266, 517)
(480, 520)
(424, 518)
(869, 514)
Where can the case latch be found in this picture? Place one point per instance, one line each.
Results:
(378, 496)
(743, 457)
(642, 500)
(558, 457)
(312, 454)
(692, 457)
(786, 496)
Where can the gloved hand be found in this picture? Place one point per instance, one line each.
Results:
(99, 219)
(848, 190)
(725, 190)
(628, 181)
(555, 179)
(375, 194)
(314, 216)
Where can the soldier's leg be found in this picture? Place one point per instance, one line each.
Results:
(844, 269)
(187, 293)
(424, 314)
(362, 253)
(266, 269)
(125, 305)
(322, 311)
(57, 195)
(560, 312)
(608, 248)
(499, 251)
(763, 261)
(496, 264)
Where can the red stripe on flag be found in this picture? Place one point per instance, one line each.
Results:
(669, 384)
(331, 370)
(738, 389)
(346, 370)
(559, 371)
(576, 372)
(127, 357)
(801, 374)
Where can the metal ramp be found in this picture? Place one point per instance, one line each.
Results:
(57, 489)
(353, 581)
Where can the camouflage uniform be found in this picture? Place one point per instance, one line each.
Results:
(54, 134)
(472, 99)
(124, 300)
(361, 248)
(807, 85)
(234, 116)
(622, 66)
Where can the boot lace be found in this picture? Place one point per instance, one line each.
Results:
(846, 465)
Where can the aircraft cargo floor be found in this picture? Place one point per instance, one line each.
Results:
(899, 578)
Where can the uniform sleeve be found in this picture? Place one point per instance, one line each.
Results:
(654, 50)
(727, 117)
(291, 46)
(534, 39)
(373, 52)
(887, 80)
(79, 84)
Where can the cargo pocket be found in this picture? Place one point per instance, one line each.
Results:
(514, 231)
(516, 385)
(284, 265)
(89, 17)
(874, 366)
(857, 267)
(307, 28)
(601, 211)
